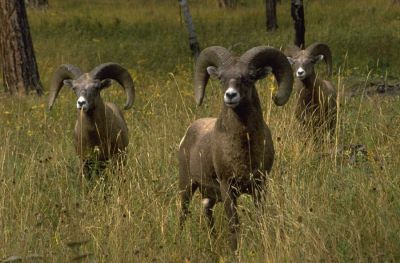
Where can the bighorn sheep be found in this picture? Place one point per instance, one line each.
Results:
(226, 156)
(316, 105)
(100, 130)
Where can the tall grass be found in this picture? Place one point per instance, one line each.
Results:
(324, 203)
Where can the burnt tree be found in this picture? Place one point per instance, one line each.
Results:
(17, 58)
(270, 12)
(193, 43)
(297, 12)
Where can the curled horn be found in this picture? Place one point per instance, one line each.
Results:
(65, 71)
(121, 75)
(264, 56)
(322, 49)
(212, 56)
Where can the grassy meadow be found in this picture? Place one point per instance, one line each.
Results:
(337, 202)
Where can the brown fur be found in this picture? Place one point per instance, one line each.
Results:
(231, 155)
(100, 132)
(104, 129)
(234, 151)
(316, 105)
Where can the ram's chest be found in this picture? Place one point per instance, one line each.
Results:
(238, 155)
(92, 142)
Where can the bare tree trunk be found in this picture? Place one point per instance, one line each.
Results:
(297, 12)
(193, 43)
(18, 63)
(270, 12)
(37, 4)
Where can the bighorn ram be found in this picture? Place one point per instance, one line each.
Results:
(226, 156)
(316, 105)
(100, 130)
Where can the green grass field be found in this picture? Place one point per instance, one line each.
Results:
(324, 203)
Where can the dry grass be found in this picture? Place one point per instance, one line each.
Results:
(324, 203)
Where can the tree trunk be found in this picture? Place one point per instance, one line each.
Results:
(193, 43)
(227, 3)
(37, 4)
(270, 12)
(18, 63)
(297, 12)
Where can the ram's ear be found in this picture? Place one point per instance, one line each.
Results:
(105, 83)
(213, 72)
(260, 73)
(317, 58)
(68, 83)
(291, 60)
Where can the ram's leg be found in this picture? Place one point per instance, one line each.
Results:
(208, 205)
(187, 189)
(229, 200)
(86, 170)
(258, 191)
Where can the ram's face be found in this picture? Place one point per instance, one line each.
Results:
(237, 83)
(303, 64)
(87, 91)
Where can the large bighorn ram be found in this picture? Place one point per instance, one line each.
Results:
(100, 130)
(316, 106)
(226, 156)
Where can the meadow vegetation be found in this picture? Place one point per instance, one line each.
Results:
(335, 202)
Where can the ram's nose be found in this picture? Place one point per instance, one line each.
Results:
(230, 94)
(81, 103)
(300, 73)
(231, 97)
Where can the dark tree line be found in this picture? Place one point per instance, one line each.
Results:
(297, 13)
(270, 11)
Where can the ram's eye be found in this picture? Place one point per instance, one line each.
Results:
(223, 81)
(252, 76)
(245, 80)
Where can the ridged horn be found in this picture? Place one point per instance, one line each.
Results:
(65, 71)
(263, 56)
(212, 56)
(121, 75)
(322, 49)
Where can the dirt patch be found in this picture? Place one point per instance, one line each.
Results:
(374, 88)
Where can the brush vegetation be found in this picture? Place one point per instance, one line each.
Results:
(333, 202)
